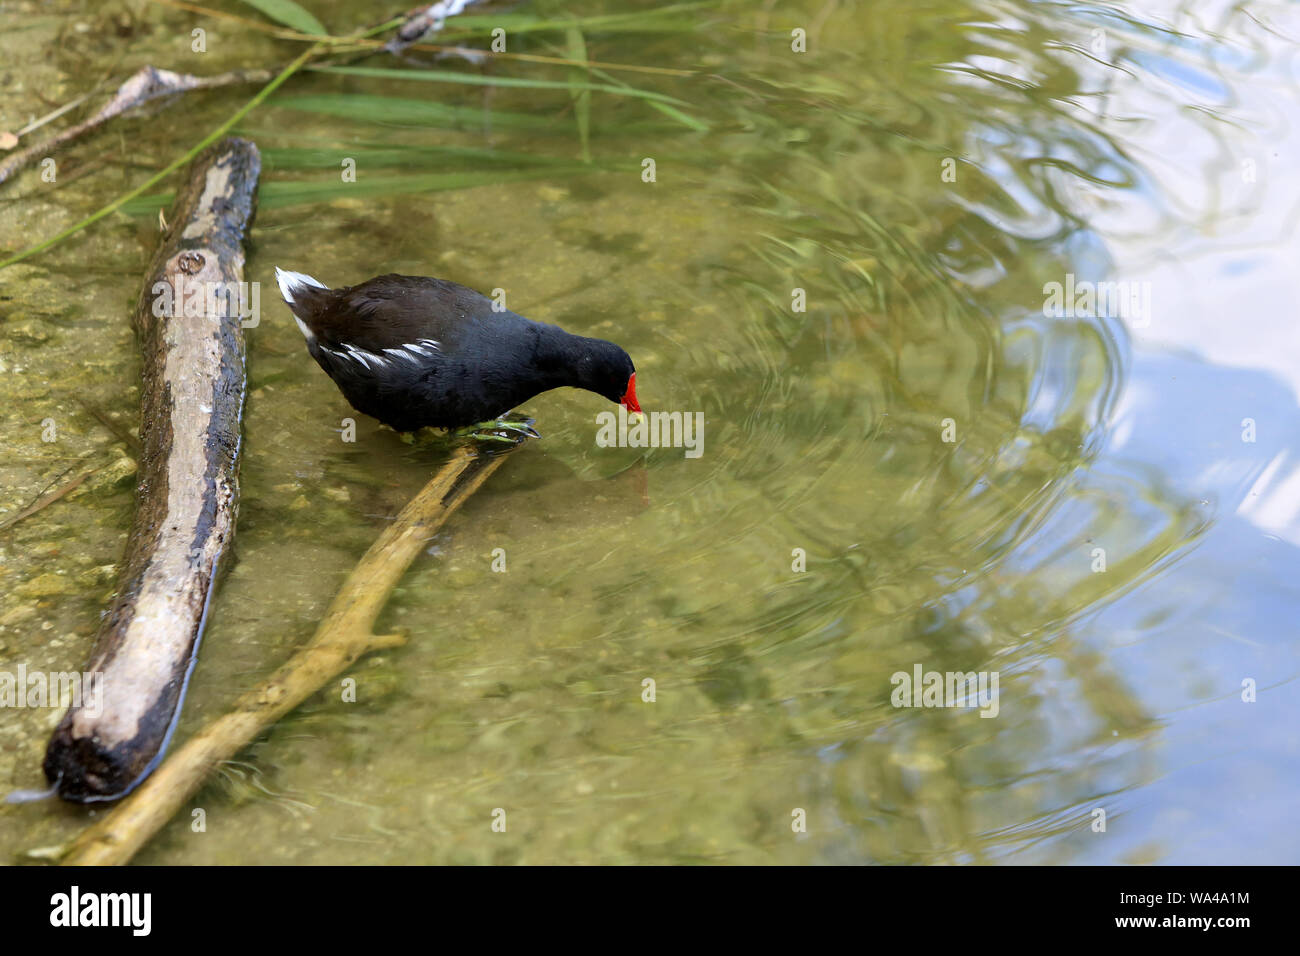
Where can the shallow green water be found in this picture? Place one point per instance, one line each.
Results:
(948, 458)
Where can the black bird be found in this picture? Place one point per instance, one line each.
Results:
(416, 352)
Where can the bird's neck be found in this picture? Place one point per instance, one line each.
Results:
(559, 357)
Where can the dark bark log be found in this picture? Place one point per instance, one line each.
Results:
(193, 398)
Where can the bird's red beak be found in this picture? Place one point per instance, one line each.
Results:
(629, 398)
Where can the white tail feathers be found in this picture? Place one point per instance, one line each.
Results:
(290, 281)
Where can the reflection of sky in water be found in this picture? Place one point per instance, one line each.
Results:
(1223, 613)
(1222, 347)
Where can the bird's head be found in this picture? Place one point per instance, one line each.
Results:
(607, 370)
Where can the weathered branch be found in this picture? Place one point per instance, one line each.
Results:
(148, 83)
(344, 635)
(192, 400)
(424, 20)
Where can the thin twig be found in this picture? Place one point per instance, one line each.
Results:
(120, 433)
(49, 117)
(47, 499)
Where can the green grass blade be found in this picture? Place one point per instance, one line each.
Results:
(676, 18)
(362, 107)
(581, 97)
(278, 194)
(380, 155)
(684, 118)
(670, 111)
(289, 14)
(477, 79)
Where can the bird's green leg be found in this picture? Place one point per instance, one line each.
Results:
(510, 431)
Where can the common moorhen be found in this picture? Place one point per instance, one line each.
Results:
(416, 352)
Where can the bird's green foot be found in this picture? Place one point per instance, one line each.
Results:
(509, 431)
